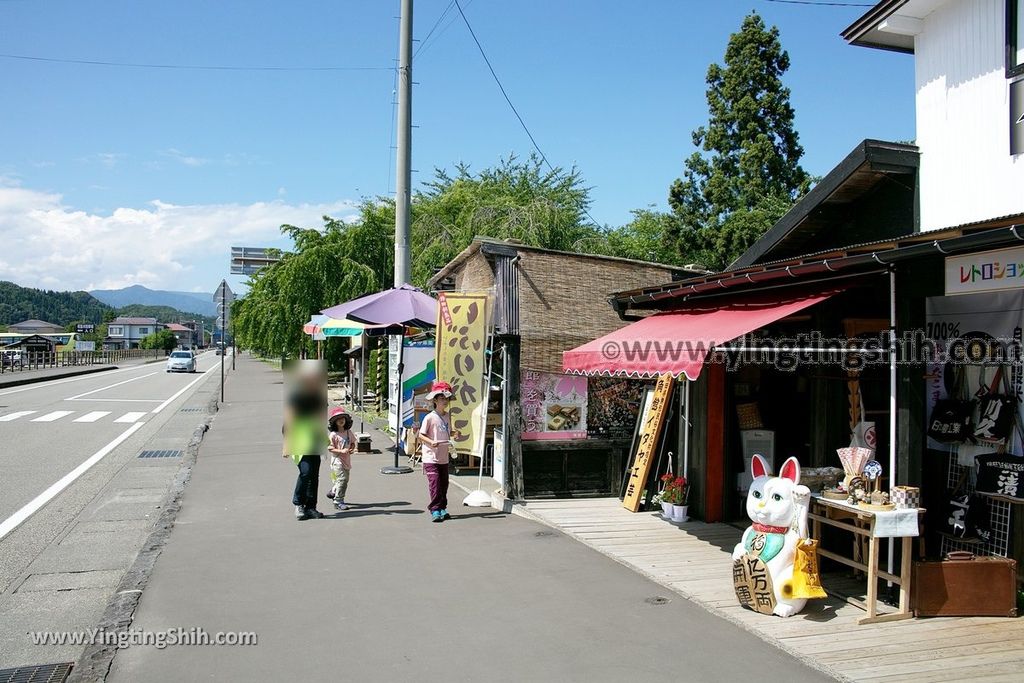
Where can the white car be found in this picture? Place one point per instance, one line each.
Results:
(181, 361)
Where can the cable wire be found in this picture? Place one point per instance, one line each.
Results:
(434, 28)
(512, 106)
(193, 67)
(822, 4)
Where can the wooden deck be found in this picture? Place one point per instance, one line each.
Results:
(694, 560)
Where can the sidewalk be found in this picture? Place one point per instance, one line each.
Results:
(379, 593)
(694, 559)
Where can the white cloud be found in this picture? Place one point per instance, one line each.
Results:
(50, 245)
(110, 159)
(183, 158)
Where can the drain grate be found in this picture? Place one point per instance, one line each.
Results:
(544, 534)
(191, 410)
(657, 600)
(44, 673)
(157, 454)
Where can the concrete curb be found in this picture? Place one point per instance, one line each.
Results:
(4, 384)
(94, 663)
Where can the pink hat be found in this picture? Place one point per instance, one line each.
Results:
(335, 411)
(440, 389)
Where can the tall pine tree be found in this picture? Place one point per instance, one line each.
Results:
(747, 174)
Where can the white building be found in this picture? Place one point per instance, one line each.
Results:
(127, 333)
(969, 73)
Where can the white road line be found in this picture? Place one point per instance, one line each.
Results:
(54, 382)
(93, 416)
(129, 417)
(118, 400)
(12, 522)
(15, 416)
(55, 415)
(111, 386)
(183, 390)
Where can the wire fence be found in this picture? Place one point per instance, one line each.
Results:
(22, 361)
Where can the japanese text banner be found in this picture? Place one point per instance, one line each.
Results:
(461, 361)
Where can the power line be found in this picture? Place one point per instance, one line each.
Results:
(434, 27)
(424, 47)
(500, 86)
(193, 67)
(512, 106)
(822, 4)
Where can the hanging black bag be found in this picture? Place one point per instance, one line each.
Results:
(951, 417)
(957, 509)
(996, 411)
(1001, 474)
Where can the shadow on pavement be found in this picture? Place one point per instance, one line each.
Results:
(479, 515)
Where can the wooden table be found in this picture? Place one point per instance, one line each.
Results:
(830, 513)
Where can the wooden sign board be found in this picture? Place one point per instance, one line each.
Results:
(650, 433)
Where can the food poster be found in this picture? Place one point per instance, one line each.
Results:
(613, 405)
(554, 406)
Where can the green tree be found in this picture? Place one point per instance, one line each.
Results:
(344, 260)
(642, 239)
(162, 339)
(514, 200)
(747, 173)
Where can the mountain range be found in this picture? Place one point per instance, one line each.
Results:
(193, 302)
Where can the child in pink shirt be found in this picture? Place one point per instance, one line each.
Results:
(343, 443)
(436, 435)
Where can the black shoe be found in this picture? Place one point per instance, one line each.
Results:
(313, 513)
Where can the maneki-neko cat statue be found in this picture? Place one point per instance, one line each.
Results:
(763, 562)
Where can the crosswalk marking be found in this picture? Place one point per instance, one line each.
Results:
(129, 417)
(15, 416)
(93, 416)
(55, 415)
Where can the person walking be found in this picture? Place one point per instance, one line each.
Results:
(436, 435)
(343, 444)
(304, 435)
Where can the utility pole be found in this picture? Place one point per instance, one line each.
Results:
(403, 175)
(403, 200)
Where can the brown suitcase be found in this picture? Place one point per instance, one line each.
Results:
(964, 585)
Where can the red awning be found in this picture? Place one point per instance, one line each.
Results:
(677, 342)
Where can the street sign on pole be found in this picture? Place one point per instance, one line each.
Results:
(222, 297)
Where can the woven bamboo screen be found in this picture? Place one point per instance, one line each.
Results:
(475, 274)
(563, 302)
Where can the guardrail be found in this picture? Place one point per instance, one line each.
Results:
(20, 361)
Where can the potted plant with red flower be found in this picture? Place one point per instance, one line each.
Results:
(666, 505)
(676, 493)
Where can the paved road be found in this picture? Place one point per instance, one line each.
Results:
(76, 503)
(379, 593)
(49, 429)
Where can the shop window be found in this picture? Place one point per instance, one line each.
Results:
(1014, 37)
(115, 331)
(143, 330)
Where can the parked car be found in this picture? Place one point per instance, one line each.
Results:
(181, 361)
(12, 359)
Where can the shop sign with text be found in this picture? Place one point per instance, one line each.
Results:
(987, 271)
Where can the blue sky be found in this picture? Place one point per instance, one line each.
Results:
(148, 175)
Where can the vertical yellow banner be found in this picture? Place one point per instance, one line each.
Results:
(461, 360)
(650, 431)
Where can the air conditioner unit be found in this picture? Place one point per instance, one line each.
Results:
(761, 442)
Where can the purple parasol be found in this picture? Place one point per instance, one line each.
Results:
(405, 305)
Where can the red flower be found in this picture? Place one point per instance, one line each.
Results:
(666, 477)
